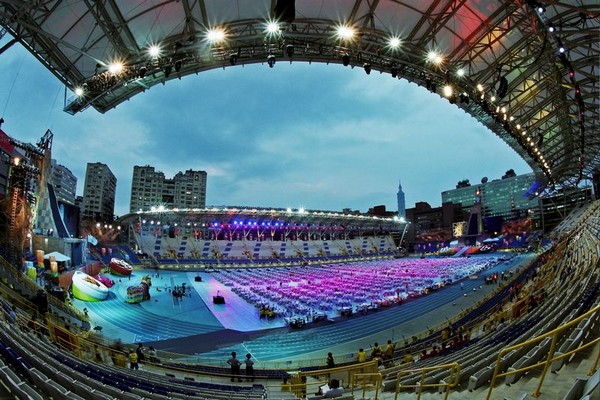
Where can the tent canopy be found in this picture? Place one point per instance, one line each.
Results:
(59, 257)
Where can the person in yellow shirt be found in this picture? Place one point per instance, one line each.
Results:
(133, 359)
(361, 357)
(389, 350)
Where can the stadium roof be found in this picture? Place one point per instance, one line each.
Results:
(527, 69)
(274, 217)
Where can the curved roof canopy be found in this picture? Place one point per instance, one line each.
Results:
(526, 69)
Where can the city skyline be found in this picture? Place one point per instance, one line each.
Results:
(297, 135)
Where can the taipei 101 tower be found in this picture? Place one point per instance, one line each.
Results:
(401, 202)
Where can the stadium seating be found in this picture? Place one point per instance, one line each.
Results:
(567, 276)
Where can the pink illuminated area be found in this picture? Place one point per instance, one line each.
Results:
(331, 289)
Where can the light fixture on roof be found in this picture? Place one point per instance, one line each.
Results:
(394, 71)
(345, 32)
(448, 91)
(289, 49)
(178, 64)
(271, 60)
(367, 68)
(79, 91)
(115, 67)
(430, 84)
(434, 57)
(345, 59)
(215, 35)
(167, 70)
(272, 27)
(460, 72)
(233, 58)
(501, 86)
(154, 51)
(394, 42)
(142, 71)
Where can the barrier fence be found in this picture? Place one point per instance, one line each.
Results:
(551, 357)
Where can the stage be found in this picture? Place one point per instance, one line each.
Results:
(194, 324)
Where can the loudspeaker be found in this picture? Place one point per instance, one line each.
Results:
(285, 10)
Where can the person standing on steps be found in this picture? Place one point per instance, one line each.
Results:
(249, 368)
(235, 366)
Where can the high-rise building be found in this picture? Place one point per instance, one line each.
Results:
(560, 203)
(150, 188)
(64, 183)
(99, 193)
(146, 188)
(190, 189)
(498, 198)
(432, 223)
(401, 201)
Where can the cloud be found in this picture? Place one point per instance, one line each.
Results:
(318, 136)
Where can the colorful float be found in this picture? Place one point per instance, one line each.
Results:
(120, 267)
(104, 280)
(141, 292)
(87, 288)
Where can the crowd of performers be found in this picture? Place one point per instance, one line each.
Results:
(266, 311)
(180, 291)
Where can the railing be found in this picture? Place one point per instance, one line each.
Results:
(554, 334)
(452, 380)
(356, 376)
(16, 299)
(369, 381)
(18, 277)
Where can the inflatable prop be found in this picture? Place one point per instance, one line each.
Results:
(105, 281)
(120, 267)
(87, 288)
(141, 292)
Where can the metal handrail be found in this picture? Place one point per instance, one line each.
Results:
(365, 381)
(453, 380)
(550, 358)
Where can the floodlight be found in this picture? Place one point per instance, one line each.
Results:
(115, 68)
(448, 91)
(215, 35)
(367, 68)
(271, 60)
(345, 32)
(79, 91)
(272, 27)
(394, 42)
(154, 51)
